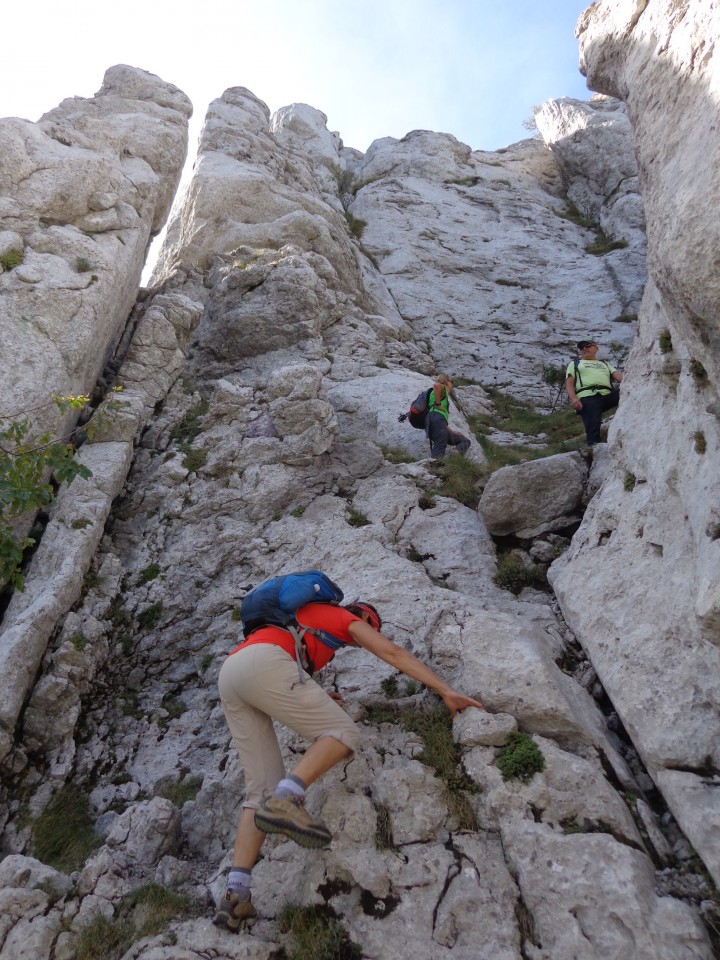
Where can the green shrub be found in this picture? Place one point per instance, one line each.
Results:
(10, 259)
(316, 935)
(698, 371)
(148, 617)
(297, 512)
(389, 685)
(189, 427)
(700, 442)
(63, 835)
(149, 573)
(520, 758)
(513, 575)
(78, 641)
(427, 501)
(665, 341)
(629, 481)
(193, 460)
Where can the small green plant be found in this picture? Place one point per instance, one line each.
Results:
(297, 512)
(427, 501)
(190, 425)
(520, 758)
(126, 644)
(713, 531)
(173, 706)
(63, 835)
(206, 662)
(513, 575)
(700, 441)
(81, 523)
(193, 460)
(356, 518)
(82, 265)
(629, 481)
(149, 617)
(10, 259)
(412, 687)
(698, 371)
(604, 244)
(626, 318)
(665, 341)
(389, 685)
(396, 454)
(316, 934)
(150, 572)
(356, 226)
(502, 282)
(179, 793)
(235, 615)
(78, 641)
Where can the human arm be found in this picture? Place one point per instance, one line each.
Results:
(616, 375)
(404, 661)
(572, 396)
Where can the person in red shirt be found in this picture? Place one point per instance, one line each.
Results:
(261, 681)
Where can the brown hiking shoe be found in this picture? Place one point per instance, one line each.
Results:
(234, 914)
(287, 815)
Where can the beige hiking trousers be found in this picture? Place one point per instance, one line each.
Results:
(259, 684)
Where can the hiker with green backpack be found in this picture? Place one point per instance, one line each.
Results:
(590, 388)
(268, 677)
(430, 411)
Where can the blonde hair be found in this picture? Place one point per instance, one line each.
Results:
(442, 378)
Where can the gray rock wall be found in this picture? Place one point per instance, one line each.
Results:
(264, 369)
(641, 584)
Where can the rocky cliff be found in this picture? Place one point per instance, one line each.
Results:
(302, 297)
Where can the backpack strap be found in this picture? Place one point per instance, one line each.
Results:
(297, 632)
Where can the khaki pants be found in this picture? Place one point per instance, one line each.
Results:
(259, 684)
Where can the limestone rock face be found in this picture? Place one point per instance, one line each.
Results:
(82, 192)
(653, 526)
(265, 371)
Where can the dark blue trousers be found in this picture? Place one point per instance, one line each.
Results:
(441, 436)
(593, 407)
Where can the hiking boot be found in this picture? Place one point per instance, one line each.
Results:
(287, 815)
(234, 914)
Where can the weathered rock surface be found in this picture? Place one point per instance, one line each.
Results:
(82, 192)
(268, 365)
(534, 497)
(653, 526)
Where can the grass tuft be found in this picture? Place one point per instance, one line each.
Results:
(396, 454)
(316, 934)
(180, 792)
(434, 727)
(356, 518)
(10, 259)
(459, 479)
(665, 341)
(513, 575)
(63, 835)
(520, 758)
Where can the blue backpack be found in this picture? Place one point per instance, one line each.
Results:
(276, 602)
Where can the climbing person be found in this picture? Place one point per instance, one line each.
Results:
(436, 426)
(261, 681)
(589, 386)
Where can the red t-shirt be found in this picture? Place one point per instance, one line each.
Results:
(323, 616)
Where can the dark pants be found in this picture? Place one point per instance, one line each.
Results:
(441, 436)
(593, 407)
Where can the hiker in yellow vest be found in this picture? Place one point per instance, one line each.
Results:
(436, 426)
(589, 386)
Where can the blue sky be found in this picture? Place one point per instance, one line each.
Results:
(375, 67)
